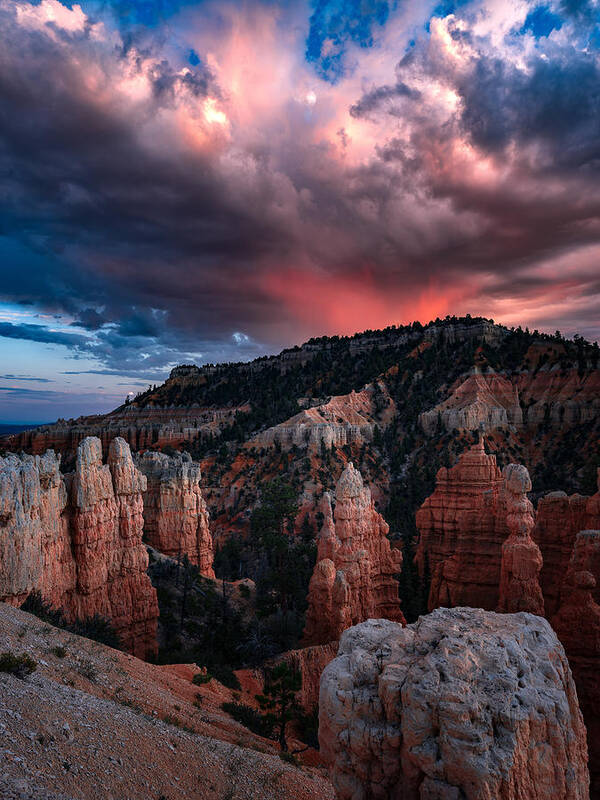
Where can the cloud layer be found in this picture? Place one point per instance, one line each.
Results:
(229, 178)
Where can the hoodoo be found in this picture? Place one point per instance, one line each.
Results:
(521, 557)
(463, 703)
(175, 514)
(577, 625)
(77, 539)
(462, 530)
(354, 575)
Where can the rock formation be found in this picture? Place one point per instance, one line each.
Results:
(521, 557)
(35, 548)
(175, 514)
(310, 662)
(480, 402)
(340, 421)
(353, 578)
(77, 539)
(559, 519)
(462, 527)
(463, 703)
(577, 625)
(139, 427)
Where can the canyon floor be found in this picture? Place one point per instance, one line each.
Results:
(92, 722)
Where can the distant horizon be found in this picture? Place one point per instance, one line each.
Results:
(106, 407)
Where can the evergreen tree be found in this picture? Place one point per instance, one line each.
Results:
(279, 698)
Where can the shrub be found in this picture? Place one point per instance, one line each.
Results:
(226, 676)
(261, 724)
(19, 666)
(201, 678)
(97, 628)
(288, 757)
(59, 651)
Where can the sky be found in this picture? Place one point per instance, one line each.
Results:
(187, 181)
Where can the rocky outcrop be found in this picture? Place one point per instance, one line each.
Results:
(481, 402)
(77, 539)
(35, 546)
(577, 624)
(310, 663)
(559, 519)
(521, 557)
(175, 514)
(462, 528)
(340, 421)
(141, 428)
(353, 578)
(559, 397)
(461, 704)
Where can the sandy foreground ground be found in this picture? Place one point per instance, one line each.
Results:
(92, 723)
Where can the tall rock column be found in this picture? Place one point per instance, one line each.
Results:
(577, 625)
(77, 539)
(35, 548)
(521, 557)
(559, 520)
(107, 524)
(462, 527)
(176, 520)
(354, 575)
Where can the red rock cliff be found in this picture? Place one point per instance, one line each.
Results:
(577, 624)
(462, 528)
(353, 579)
(175, 514)
(559, 520)
(78, 539)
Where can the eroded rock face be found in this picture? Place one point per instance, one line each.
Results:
(480, 402)
(35, 550)
(463, 703)
(340, 421)
(310, 662)
(175, 514)
(559, 519)
(577, 625)
(462, 528)
(521, 557)
(353, 578)
(78, 539)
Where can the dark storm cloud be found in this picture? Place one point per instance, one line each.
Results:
(160, 236)
(38, 333)
(556, 103)
(373, 100)
(25, 378)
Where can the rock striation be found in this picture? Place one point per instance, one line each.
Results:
(141, 428)
(176, 520)
(480, 402)
(577, 624)
(77, 539)
(463, 703)
(353, 578)
(559, 520)
(341, 420)
(462, 528)
(521, 557)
